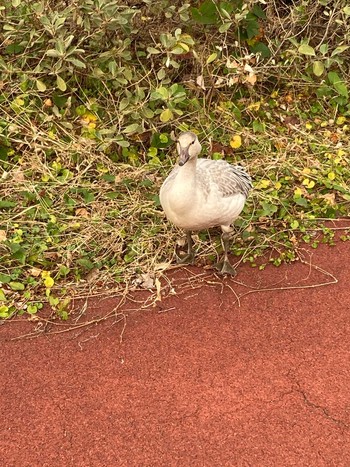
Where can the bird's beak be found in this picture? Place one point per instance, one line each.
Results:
(184, 156)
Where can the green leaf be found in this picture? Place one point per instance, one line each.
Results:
(258, 11)
(133, 128)
(306, 49)
(112, 194)
(163, 92)
(2, 296)
(161, 74)
(88, 196)
(52, 53)
(225, 27)
(123, 104)
(333, 77)
(324, 49)
(32, 309)
(7, 204)
(318, 68)
(41, 86)
(16, 285)
(20, 255)
(61, 84)
(212, 57)
(4, 311)
(302, 202)
(147, 112)
(166, 115)
(339, 50)
(4, 278)
(252, 26)
(178, 50)
(123, 143)
(341, 88)
(76, 62)
(86, 263)
(338, 84)
(206, 13)
(153, 51)
(258, 127)
(261, 48)
(14, 48)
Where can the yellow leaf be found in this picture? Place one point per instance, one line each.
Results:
(254, 106)
(49, 282)
(308, 126)
(264, 183)
(340, 120)
(341, 153)
(306, 170)
(45, 274)
(308, 183)
(298, 192)
(331, 175)
(278, 185)
(166, 115)
(236, 142)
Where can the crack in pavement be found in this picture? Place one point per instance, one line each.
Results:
(320, 408)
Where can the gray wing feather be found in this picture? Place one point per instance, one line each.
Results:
(229, 179)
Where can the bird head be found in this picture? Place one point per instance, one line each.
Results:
(188, 147)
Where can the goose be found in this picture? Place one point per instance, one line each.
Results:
(202, 193)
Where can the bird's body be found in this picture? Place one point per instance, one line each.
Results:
(201, 193)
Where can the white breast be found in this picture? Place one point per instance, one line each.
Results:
(204, 193)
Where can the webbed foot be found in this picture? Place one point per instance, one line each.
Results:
(224, 267)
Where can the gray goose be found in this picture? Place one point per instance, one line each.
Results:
(202, 193)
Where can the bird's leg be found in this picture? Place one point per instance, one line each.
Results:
(189, 257)
(225, 266)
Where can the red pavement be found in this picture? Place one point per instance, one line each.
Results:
(201, 379)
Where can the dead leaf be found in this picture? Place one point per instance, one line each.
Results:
(220, 148)
(18, 176)
(200, 82)
(233, 80)
(3, 236)
(35, 272)
(248, 69)
(251, 78)
(146, 281)
(92, 275)
(290, 120)
(82, 212)
(329, 198)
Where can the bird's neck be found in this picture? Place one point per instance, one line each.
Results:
(187, 172)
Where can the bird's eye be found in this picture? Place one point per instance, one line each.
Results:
(193, 142)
